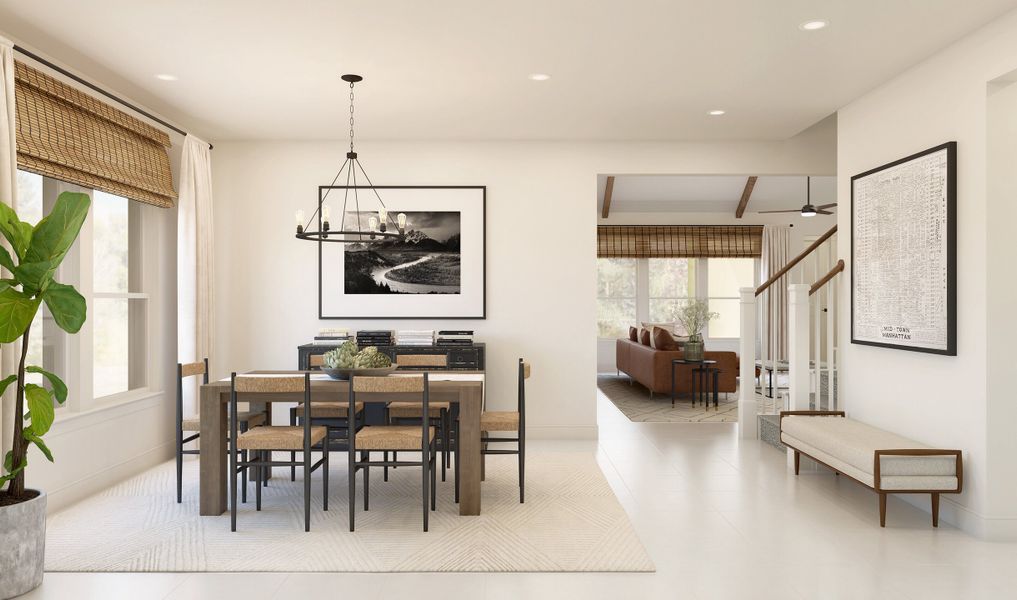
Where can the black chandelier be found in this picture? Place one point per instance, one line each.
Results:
(379, 227)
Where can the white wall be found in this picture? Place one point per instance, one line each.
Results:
(541, 255)
(952, 402)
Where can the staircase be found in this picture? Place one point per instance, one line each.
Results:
(801, 373)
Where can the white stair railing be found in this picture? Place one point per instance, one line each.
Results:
(812, 313)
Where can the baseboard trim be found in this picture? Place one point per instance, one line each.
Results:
(562, 433)
(990, 529)
(93, 483)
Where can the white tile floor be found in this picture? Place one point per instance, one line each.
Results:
(721, 519)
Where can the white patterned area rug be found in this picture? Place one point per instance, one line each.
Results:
(634, 401)
(571, 521)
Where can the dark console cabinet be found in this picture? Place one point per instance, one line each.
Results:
(458, 358)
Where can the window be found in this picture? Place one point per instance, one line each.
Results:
(725, 276)
(616, 296)
(108, 356)
(119, 305)
(672, 281)
(633, 291)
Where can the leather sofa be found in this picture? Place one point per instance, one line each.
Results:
(652, 368)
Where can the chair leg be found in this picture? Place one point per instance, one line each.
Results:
(257, 479)
(307, 490)
(456, 470)
(233, 491)
(324, 474)
(243, 475)
(424, 480)
(366, 456)
(352, 478)
(293, 455)
(385, 469)
(443, 419)
(180, 472)
(434, 488)
(522, 469)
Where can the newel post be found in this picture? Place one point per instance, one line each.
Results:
(747, 425)
(798, 346)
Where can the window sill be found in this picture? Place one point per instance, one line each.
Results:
(119, 404)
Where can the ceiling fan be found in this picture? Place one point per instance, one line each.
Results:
(808, 210)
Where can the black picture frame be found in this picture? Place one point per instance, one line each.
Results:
(323, 189)
(951, 251)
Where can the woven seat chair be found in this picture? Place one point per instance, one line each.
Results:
(261, 441)
(329, 414)
(507, 422)
(191, 426)
(439, 413)
(391, 438)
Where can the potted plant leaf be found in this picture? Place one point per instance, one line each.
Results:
(37, 253)
(693, 315)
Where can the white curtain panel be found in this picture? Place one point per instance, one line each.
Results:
(776, 254)
(194, 259)
(8, 195)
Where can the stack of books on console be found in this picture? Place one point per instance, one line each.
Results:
(374, 338)
(415, 337)
(331, 336)
(455, 338)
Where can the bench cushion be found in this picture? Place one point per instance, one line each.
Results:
(849, 446)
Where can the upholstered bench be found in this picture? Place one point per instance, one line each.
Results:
(883, 461)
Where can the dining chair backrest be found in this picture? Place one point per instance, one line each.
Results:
(188, 370)
(422, 360)
(390, 385)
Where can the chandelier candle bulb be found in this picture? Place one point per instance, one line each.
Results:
(300, 221)
(401, 219)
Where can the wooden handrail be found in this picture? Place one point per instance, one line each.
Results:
(833, 272)
(794, 261)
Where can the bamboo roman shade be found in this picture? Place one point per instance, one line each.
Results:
(68, 135)
(679, 241)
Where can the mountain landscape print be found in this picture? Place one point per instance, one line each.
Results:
(426, 261)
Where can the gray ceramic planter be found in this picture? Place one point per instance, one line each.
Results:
(22, 546)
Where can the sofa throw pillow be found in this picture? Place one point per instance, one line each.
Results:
(633, 334)
(644, 337)
(662, 340)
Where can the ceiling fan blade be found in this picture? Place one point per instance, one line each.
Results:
(820, 211)
(825, 206)
(764, 212)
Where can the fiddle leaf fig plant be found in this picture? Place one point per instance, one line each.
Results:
(38, 252)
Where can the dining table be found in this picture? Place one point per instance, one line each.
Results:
(464, 388)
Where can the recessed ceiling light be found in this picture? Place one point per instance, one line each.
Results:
(166, 77)
(539, 76)
(812, 25)
(716, 113)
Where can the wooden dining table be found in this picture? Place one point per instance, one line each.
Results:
(464, 388)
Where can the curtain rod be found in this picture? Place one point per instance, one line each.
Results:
(96, 88)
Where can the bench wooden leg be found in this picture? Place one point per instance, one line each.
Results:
(935, 509)
(798, 461)
(882, 509)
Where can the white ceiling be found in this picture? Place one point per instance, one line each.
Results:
(711, 193)
(457, 69)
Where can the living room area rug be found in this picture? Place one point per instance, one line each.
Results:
(571, 522)
(634, 401)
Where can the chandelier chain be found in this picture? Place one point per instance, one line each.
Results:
(351, 116)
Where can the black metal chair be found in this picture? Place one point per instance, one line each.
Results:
(391, 438)
(333, 415)
(262, 441)
(409, 413)
(192, 425)
(507, 421)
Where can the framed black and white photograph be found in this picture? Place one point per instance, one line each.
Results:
(904, 253)
(435, 270)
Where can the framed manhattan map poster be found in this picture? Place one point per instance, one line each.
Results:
(436, 270)
(904, 253)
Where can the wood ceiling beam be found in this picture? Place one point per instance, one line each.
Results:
(608, 191)
(749, 185)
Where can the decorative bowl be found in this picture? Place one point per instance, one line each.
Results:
(344, 374)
